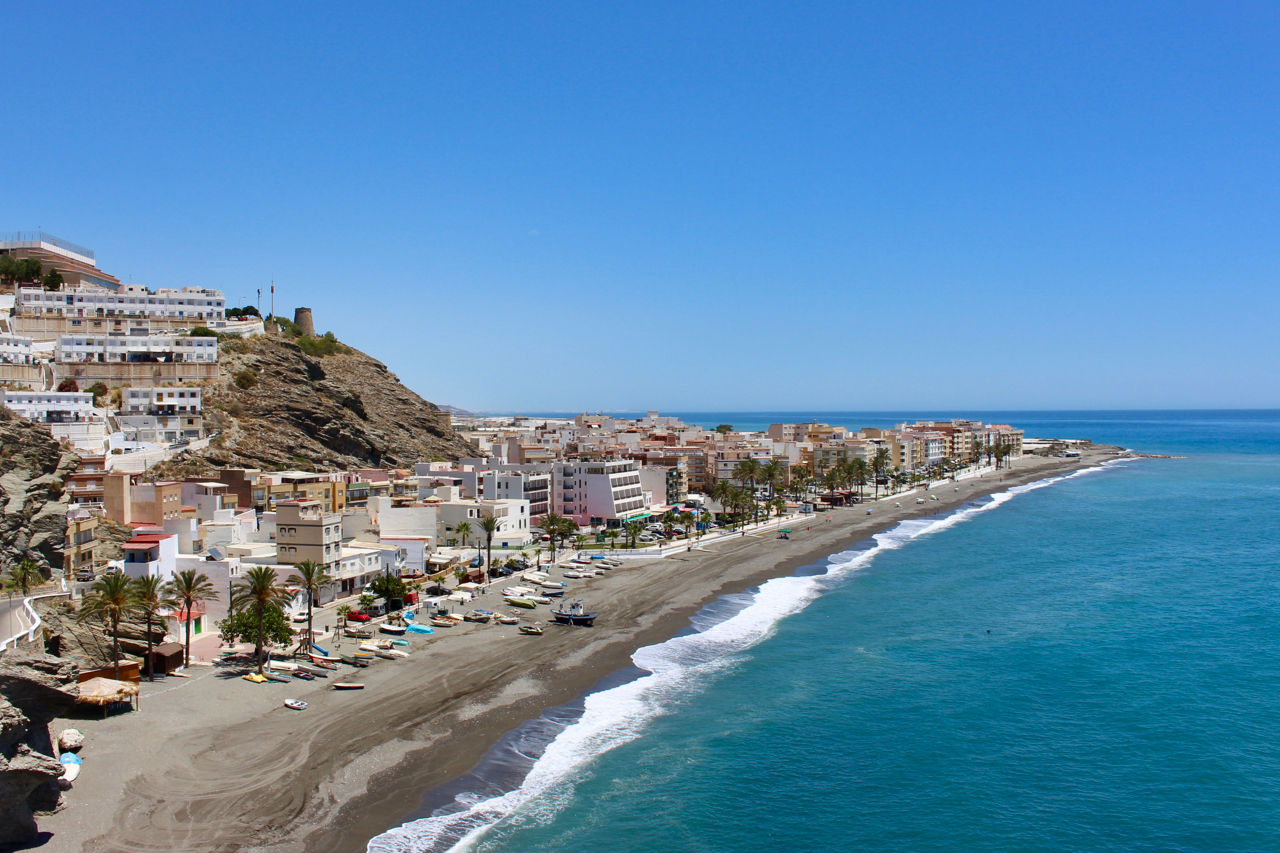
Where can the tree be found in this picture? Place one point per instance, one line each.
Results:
(111, 599)
(881, 462)
(53, 279)
(748, 471)
(68, 384)
(311, 578)
(29, 270)
(387, 587)
(343, 610)
(99, 390)
(557, 527)
(975, 453)
(202, 332)
(149, 593)
(259, 592)
(724, 429)
(463, 529)
(612, 533)
(272, 627)
(26, 575)
(634, 529)
(686, 521)
(831, 481)
(859, 473)
(489, 525)
(189, 588)
(8, 270)
(772, 475)
(365, 601)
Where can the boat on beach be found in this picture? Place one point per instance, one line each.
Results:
(322, 659)
(531, 630)
(295, 704)
(357, 633)
(509, 620)
(576, 614)
(526, 603)
(354, 661)
(255, 678)
(392, 629)
(348, 685)
(440, 622)
(276, 677)
(420, 629)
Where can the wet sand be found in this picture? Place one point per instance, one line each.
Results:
(215, 763)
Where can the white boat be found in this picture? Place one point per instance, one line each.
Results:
(539, 599)
(70, 766)
(509, 620)
(391, 629)
(536, 577)
(577, 574)
(295, 704)
(517, 591)
(553, 584)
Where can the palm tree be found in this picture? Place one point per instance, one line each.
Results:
(668, 521)
(831, 480)
(612, 533)
(464, 532)
(779, 506)
(634, 529)
(748, 471)
(557, 527)
(312, 578)
(189, 588)
(686, 521)
(881, 461)
(772, 475)
(26, 575)
(150, 596)
(343, 610)
(111, 598)
(259, 590)
(489, 525)
(721, 492)
(859, 472)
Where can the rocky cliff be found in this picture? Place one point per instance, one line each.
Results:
(278, 407)
(33, 467)
(34, 689)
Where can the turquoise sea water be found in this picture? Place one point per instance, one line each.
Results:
(1093, 664)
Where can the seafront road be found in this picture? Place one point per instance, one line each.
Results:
(11, 621)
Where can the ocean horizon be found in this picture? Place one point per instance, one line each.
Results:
(1083, 663)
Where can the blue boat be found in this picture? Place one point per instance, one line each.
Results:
(420, 629)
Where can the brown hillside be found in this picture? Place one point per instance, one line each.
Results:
(277, 407)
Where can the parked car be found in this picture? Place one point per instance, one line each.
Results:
(84, 575)
(357, 616)
(300, 616)
(476, 562)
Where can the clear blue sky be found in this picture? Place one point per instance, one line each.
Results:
(690, 206)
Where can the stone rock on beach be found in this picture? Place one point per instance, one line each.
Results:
(34, 689)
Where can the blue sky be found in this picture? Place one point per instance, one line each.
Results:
(692, 206)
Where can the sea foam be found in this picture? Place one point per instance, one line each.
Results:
(620, 714)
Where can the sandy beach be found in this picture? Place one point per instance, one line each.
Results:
(215, 763)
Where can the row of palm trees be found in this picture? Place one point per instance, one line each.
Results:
(116, 596)
(489, 525)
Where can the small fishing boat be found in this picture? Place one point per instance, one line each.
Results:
(316, 671)
(399, 642)
(517, 591)
(539, 599)
(485, 616)
(577, 561)
(577, 574)
(509, 620)
(550, 584)
(526, 603)
(348, 685)
(576, 614)
(357, 633)
(255, 678)
(70, 766)
(382, 653)
(531, 630)
(420, 629)
(354, 661)
(442, 623)
(321, 665)
(322, 659)
(295, 704)
(304, 674)
(392, 629)
(276, 677)
(552, 591)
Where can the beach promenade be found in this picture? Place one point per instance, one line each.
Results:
(215, 763)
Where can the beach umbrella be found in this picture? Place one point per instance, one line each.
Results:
(785, 530)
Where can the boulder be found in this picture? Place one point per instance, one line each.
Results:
(71, 740)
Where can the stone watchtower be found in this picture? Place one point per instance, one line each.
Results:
(302, 317)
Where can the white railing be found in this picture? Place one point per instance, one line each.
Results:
(32, 617)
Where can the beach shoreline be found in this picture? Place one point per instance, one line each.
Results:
(238, 772)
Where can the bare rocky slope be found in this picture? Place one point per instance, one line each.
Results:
(33, 470)
(276, 407)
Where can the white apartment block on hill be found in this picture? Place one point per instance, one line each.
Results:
(78, 349)
(189, 303)
(594, 493)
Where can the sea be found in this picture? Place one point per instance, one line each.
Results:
(1086, 663)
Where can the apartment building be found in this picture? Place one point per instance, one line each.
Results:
(127, 501)
(51, 407)
(80, 544)
(16, 349)
(151, 553)
(604, 492)
(306, 531)
(77, 264)
(515, 526)
(270, 489)
(135, 349)
(161, 415)
(189, 305)
(84, 486)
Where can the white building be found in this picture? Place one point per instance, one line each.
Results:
(15, 349)
(594, 493)
(52, 407)
(122, 349)
(131, 300)
(514, 527)
(161, 415)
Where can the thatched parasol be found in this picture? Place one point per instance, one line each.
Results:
(104, 691)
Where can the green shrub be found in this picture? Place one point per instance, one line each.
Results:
(288, 326)
(322, 346)
(202, 332)
(245, 379)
